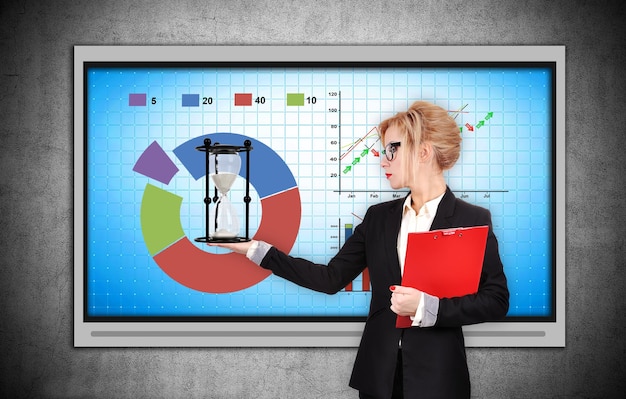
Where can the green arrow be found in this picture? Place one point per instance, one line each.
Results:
(356, 160)
(365, 152)
(479, 124)
(347, 169)
(489, 115)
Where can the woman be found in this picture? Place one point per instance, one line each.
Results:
(427, 360)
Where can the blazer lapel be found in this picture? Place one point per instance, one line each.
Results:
(444, 211)
(392, 229)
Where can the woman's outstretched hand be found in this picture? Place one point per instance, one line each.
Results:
(237, 247)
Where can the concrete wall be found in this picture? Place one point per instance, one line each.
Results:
(36, 262)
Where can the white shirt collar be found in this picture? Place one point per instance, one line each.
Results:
(428, 209)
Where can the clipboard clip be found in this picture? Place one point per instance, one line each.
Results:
(447, 233)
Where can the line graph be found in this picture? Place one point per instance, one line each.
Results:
(356, 152)
(373, 132)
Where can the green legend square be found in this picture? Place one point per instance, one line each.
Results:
(295, 99)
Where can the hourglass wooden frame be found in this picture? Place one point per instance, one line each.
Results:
(216, 149)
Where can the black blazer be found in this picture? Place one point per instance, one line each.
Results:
(434, 362)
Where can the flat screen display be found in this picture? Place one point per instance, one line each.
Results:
(310, 117)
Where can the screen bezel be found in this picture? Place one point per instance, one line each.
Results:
(327, 332)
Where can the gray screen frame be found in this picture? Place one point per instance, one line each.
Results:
(307, 334)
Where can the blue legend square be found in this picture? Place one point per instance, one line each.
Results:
(191, 100)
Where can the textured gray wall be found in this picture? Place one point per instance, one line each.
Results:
(36, 38)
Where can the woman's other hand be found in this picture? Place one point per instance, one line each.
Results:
(404, 300)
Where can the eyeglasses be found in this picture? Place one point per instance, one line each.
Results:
(390, 150)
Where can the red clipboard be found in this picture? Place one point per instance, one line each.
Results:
(444, 263)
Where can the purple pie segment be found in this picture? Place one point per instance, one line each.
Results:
(155, 164)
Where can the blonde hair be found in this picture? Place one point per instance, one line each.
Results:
(426, 122)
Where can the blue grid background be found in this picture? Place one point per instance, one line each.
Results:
(505, 166)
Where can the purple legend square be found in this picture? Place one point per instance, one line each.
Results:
(137, 99)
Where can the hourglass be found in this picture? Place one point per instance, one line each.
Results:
(223, 163)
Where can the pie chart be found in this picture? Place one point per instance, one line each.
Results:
(160, 216)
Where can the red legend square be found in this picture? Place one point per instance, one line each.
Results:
(243, 99)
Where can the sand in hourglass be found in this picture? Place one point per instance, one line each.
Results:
(224, 181)
(228, 225)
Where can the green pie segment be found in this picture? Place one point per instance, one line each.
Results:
(160, 218)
